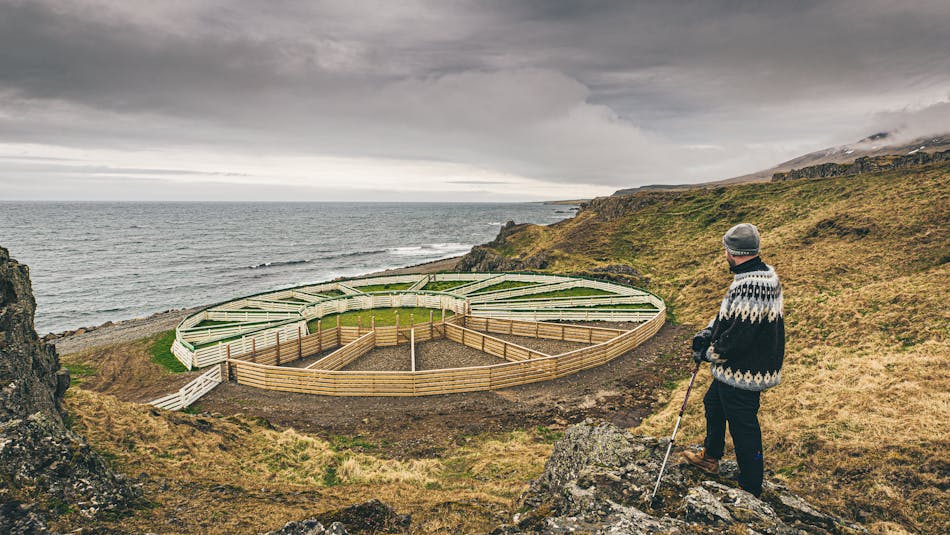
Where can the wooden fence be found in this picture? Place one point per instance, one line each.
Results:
(536, 367)
(190, 393)
(333, 336)
(346, 354)
(491, 345)
(550, 331)
(258, 322)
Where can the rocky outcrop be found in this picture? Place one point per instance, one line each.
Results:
(310, 526)
(45, 469)
(615, 207)
(483, 258)
(599, 479)
(373, 516)
(865, 164)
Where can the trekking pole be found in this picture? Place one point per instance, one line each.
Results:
(675, 429)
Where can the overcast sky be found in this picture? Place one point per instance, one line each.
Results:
(447, 100)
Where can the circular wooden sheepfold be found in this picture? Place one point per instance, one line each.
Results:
(259, 335)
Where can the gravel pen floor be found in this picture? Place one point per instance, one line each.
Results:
(440, 354)
(307, 361)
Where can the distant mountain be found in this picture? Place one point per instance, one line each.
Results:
(880, 144)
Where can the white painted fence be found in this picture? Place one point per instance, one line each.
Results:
(190, 393)
(246, 329)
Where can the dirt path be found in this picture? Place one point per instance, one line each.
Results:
(124, 370)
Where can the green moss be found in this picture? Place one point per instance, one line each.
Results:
(442, 286)
(385, 317)
(384, 287)
(506, 285)
(160, 347)
(547, 435)
(330, 477)
(570, 292)
(77, 371)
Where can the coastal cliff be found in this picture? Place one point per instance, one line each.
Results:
(865, 164)
(46, 470)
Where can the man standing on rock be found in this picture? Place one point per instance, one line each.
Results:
(745, 343)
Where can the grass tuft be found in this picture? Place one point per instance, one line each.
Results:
(160, 347)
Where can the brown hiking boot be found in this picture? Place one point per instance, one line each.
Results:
(699, 459)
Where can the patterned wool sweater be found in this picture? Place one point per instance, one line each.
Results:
(748, 334)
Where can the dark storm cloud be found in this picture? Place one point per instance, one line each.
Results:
(613, 93)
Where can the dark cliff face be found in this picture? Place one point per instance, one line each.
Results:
(45, 469)
(615, 207)
(864, 165)
(28, 367)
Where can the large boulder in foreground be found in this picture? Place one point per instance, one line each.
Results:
(369, 517)
(45, 469)
(599, 480)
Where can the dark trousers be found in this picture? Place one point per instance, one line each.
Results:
(740, 409)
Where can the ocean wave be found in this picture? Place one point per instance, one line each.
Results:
(278, 264)
(429, 249)
(354, 253)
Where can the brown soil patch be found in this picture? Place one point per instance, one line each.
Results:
(126, 371)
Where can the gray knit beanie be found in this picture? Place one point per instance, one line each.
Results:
(742, 240)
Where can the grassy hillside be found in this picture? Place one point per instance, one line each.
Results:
(862, 419)
(215, 474)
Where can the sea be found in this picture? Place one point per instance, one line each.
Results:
(92, 262)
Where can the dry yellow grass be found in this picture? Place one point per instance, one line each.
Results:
(862, 419)
(238, 475)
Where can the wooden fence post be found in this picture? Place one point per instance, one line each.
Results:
(412, 347)
(299, 343)
(359, 325)
(277, 339)
(319, 336)
(431, 314)
(373, 321)
(339, 335)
